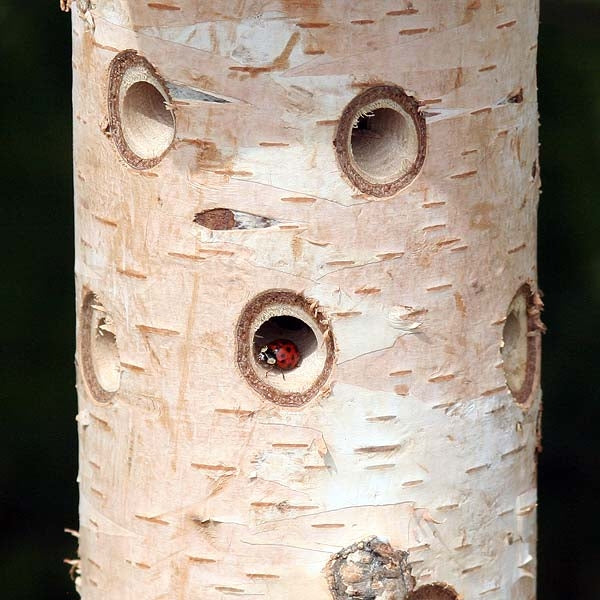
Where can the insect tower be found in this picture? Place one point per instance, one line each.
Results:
(359, 179)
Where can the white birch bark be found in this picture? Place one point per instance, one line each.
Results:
(413, 417)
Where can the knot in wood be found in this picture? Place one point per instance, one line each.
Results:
(369, 570)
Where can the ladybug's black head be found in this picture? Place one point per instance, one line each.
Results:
(267, 356)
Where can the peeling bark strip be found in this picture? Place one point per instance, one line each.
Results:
(369, 570)
(360, 180)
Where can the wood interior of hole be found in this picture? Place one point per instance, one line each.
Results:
(514, 350)
(521, 347)
(385, 148)
(148, 127)
(105, 354)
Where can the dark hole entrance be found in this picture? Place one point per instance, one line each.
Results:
(287, 328)
(363, 123)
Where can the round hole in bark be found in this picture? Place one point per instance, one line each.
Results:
(285, 315)
(433, 591)
(380, 141)
(100, 359)
(141, 124)
(521, 346)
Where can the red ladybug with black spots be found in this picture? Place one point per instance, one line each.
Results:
(283, 354)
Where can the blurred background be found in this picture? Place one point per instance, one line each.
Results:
(38, 443)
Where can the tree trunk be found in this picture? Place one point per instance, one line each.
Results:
(359, 180)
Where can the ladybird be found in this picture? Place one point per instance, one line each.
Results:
(283, 354)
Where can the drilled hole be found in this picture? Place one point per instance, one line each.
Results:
(520, 345)
(380, 141)
(433, 591)
(283, 316)
(142, 124)
(148, 126)
(99, 351)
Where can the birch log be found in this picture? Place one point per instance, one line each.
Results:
(361, 179)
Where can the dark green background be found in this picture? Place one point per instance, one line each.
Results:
(38, 445)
